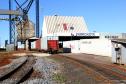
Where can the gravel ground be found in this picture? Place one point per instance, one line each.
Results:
(75, 73)
(44, 70)
(57, 69)
(60, 70)
(102, 65)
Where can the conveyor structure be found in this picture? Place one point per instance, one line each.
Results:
(19, 16)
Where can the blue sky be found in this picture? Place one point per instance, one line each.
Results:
(100, 15)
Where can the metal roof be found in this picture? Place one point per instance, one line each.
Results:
(119, 40)
(64, 24)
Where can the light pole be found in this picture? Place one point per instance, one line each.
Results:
(71, 28)
(55, 25)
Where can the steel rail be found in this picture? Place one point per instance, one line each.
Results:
(18, 75)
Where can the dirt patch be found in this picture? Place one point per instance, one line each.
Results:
(4, 62)
(7, 57)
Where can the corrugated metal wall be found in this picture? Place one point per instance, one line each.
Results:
(96, 46)
(53, 44)
(38, 44)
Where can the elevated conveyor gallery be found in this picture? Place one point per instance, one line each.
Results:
(68, 38)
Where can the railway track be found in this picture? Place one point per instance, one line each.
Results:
(18, 71)
(111, 73)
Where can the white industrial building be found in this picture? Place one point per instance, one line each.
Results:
(112, 35)
(63, 28)
(71, 33)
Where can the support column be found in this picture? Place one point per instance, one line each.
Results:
(26, 45)
(37, 18)
(10, 26)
